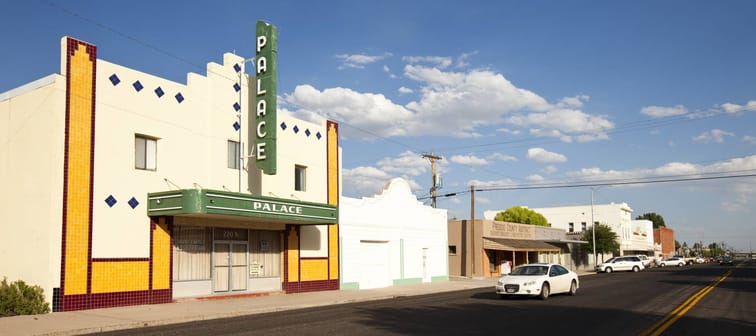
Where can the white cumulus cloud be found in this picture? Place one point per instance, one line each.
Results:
(715, 135)
(449, 103)
(405, 90)
(471, 160)
(543, 156)
(501, 157)
(735, 108)
(664, 111)
(409, 163)
(749, 139)
(440, 61)
(359, 61)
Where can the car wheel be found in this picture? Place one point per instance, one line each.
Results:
(545, 291)
(662, 265)
(680, 265)
(608, 270)
(573, 288)
(636, 269)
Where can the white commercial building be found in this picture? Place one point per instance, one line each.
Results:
(635, 237)
(391, 239)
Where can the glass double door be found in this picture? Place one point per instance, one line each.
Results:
(229, 266)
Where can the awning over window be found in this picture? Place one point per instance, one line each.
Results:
(203, 202)
(504, 244)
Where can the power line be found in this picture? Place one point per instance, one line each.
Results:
(597, 184)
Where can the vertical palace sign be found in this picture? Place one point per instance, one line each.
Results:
(265, 97)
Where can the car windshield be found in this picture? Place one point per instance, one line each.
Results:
(531, 270)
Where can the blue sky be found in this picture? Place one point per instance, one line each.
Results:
(510, 94)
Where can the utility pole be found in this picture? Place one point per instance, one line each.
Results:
(433, 157)
(472, 227)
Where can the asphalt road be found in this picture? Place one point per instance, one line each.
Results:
(703, 299)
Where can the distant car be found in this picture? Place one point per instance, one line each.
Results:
(673, 261)
(539, 280)
(700, 260)
(726, 261)
(624, 263)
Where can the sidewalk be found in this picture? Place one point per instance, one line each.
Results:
(108, 319)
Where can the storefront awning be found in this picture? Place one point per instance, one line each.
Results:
(504, 244)
(203, 202)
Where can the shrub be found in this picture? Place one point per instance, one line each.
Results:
(18, 298)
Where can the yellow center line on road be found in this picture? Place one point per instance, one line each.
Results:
(659, 327)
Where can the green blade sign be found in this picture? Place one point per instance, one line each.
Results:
(265, 97)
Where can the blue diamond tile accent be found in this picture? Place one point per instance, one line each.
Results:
(318, 135)
(296, 129)
(237, 107)
(307, 132)
(283, 126)
(138, 86)
(110, 201)
(133, 203)
(114, 79)
(179, 97)
(237, 87)
(159, 92)
(236, 125)
(237, 67)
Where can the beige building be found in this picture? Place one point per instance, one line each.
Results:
(125, 188)
(491, 248)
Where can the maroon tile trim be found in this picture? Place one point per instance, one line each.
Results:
(94, 260)
(71, 45)
(310, 286)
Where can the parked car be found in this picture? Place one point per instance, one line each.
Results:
(624, 263)
(700, 260)
(645, 260)
(673, 261)
(726, 261)
(539, 280)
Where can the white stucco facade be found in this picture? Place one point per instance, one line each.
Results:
(391, 239)
(192, 126)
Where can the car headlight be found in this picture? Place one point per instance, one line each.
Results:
(499, 283)
(529, 283)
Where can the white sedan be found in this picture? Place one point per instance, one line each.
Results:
(539, 280)
(674, 261)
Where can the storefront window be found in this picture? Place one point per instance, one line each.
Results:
(264, 254)
(191, 253)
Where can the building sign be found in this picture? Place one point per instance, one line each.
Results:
(230, 234)
(508, 230)
(265, 97)
(216, 202)
(255, 269)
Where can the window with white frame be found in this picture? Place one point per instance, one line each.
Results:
(233, 154)
(582, 226)
(300, 178)
(145, 152)
(571, 227)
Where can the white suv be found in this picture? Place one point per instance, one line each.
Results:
(624, 263)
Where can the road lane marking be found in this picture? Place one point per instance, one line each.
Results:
(659, 327)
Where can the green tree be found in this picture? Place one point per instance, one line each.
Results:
(606, 240)
(654, 217)
(522, 215)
